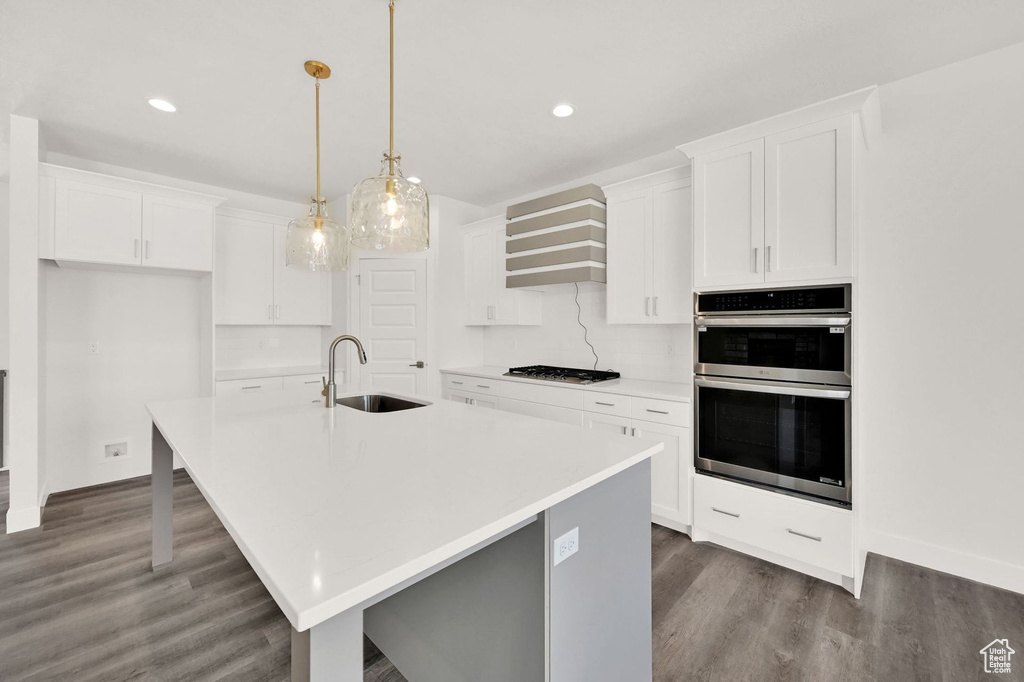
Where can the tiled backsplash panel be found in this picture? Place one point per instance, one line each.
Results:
(650, 352)
(247, 347)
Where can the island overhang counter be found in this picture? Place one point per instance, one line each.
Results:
(415, 524)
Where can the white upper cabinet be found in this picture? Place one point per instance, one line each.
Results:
(177, 234)
(92, 218)
(488, 301)
(649, 237)
(774, 200)
(97, 224)
(252, 283)
(244, 272)
(728, 209)
(808, 202)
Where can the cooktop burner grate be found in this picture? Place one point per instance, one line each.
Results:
(563, 374)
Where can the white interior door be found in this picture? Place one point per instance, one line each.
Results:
(393, 323)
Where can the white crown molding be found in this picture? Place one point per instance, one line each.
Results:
(649, 180)
(50, 170)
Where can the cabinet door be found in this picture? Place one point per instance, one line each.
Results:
(479, 275)
(244, 272)
(177, 234)
(728, 216)
(671, 259)
(300, 296)
(97, 224)
(504, 301)
(606, 422)
(460, 397)
(670, 470)
(809, 202)
(629, 272)
(551, 412)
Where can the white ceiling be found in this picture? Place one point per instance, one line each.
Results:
(476, 80)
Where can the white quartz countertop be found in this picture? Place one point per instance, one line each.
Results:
(333, 507)
(268, 372)
(661, 390)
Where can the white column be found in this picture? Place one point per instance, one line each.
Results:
(27, 466)
(331, 651)
(162, 486)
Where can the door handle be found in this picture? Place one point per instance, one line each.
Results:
(803, 535)
(727, 513)
(270, 311)
(755, 259)
(135, 249)
(277, 312)
(657, 411)
(647, 306)
(598, 402)
(655, 306)
(146, 252)
(420, 365)
(768, 258)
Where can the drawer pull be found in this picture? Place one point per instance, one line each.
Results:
(658, 411)
(315, 381)
(803, 535)
(598, 402)
(482, 386)
(728, 513)
(457, 383)
(249, 388)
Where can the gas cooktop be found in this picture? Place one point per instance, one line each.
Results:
(563, 374)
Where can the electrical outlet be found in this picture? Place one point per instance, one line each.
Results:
(94, 348)
(566, 546)
(116, 450)
(671, 349)
(260, 344)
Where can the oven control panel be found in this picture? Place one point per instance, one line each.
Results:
(804, 299)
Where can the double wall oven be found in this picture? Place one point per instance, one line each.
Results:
(772, 388)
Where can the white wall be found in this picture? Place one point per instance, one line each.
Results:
(941, 317)
(240, 347)
(652, 352)
(148, 332)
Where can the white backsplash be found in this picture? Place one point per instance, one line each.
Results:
(248, 347)
(651, 352)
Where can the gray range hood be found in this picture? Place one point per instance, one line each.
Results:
(556, 239)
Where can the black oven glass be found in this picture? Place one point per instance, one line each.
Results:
(813, 348)
(780, 434)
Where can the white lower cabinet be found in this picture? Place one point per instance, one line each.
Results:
(242, 386)
(812, 533)
(555, 413)
(477, 399)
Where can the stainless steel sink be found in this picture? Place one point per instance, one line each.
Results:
(377, 403)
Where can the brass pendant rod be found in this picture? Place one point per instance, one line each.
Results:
(391, 138)
(318, 213)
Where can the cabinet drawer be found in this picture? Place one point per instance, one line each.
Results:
(241, 386)
(606, 403)
(805, 531)
(312, 382)
(571, 398)
(661, 411)
(557, 414)
(461, 382)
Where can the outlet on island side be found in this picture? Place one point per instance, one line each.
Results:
(116, 450)
(566, 546)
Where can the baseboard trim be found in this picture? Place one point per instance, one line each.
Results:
(683, 528)
(25, 518)
(971, 566)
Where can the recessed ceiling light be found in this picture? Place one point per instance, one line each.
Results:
(162, 105)
(413, 179)
(563, 110)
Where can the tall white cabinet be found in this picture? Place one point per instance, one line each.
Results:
(488, 301)
(774, 201)
(253, 286)
(648, 237)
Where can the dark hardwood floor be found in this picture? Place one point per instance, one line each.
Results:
(79, 601)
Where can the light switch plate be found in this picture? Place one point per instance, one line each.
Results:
(566, 546)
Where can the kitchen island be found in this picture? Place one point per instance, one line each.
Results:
(432, 529)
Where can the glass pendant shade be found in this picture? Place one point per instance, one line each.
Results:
(389, 213)
(317, 243)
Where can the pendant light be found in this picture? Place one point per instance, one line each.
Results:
(315, 242)
(389, 213)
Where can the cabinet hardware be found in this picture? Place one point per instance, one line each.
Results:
(755, 259)
(598, 402)
(146, 252)
(624, 429)
(315, 381)
(270, 311)
(658, 411)
(727, 513)
(768, 259)
(647, 306)
(277, 312)
(457, 383)
(246, 388)
(803, 535)
(634, 431)
(419, 365)
(471, 401)
(482, 386)
(655, 306)
(135, 249)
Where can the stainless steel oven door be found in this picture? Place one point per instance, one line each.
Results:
(791, 436)
(799, 348)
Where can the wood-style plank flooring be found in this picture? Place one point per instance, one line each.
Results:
(79, 601)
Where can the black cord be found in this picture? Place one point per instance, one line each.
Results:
(579, 312)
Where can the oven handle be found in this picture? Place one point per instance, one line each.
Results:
(774, 321)
(777, 388)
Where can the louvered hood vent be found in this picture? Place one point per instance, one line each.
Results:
(556, 239)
